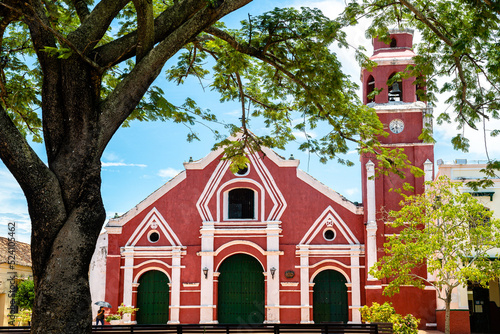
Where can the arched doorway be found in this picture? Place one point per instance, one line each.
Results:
(330, 301)
(241, 291)
(152, 298)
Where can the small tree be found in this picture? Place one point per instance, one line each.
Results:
(449, 232)
(25, 295)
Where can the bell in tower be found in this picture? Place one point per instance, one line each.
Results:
(390, 59)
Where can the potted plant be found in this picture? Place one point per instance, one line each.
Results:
(114, 319)
(126, 313)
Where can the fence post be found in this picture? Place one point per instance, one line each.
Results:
(179, 329)
(276, 329)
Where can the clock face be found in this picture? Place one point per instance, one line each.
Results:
(396, 126)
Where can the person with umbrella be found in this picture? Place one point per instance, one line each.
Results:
(100, 313)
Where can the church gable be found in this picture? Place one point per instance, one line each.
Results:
(270, 204)
(329, 228)
(153, 228)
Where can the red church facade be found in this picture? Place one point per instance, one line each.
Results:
(291, 224)
(271, 244)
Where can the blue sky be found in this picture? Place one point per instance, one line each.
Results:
(141, 158)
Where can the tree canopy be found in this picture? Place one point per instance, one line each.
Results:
(457, 58)
(447, 231)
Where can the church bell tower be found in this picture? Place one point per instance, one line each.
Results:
(404, 117)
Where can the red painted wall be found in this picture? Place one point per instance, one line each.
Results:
(459, 321)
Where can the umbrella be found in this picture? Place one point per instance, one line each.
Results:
(103, 304)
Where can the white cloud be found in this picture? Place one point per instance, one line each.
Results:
(13, 207)
(445, 132)
(111, 156)
(121, 164)
(302, 135)
(351, 191)
(168, 173)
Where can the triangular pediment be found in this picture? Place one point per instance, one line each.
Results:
(154, 221)
(329, 218)
(264, 178)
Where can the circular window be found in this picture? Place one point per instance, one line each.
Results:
(154, 236)
(242, 171)
(329, 235)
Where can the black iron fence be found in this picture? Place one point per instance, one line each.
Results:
(327, 328)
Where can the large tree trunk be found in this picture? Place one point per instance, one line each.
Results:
(62, 301)
(64, 237)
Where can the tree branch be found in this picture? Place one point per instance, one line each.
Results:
(38, 182)
(95, 25)
(122, 101)
(426, 21)
(165, 24)
(145, 27)
(81, 9)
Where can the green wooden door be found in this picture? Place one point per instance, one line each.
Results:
(241, 291)
(152, 298)
(330, 297)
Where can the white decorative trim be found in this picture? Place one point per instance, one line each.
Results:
(332, 194)
(239, 252)
(258, 216)
(240, 242)
(272, 188)
(393, 61)
(157, 194)
(373, 287)
(289, 283)
(334, 261)
(279, 203)
(149, 262)
(136, 278)
(187, 284)
(348, 279)
(154, 217)
(329, 214)
(203, 162)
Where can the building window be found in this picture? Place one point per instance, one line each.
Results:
(328, 234)
(242, 171)
(241, 204)
(395, 90)
(153, 236)
(394, 43)
(369, 89)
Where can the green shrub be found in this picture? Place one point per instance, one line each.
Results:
(113, 317)
(122, 309)
(25, 295)
(386, 313)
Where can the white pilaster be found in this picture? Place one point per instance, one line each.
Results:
(356, 283)
(304, 285)
(207, 284)
(176, 286)
(428, 171)
(273, 284)
(371, 224)
(128, 271)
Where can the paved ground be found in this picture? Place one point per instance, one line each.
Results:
(433, 331)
